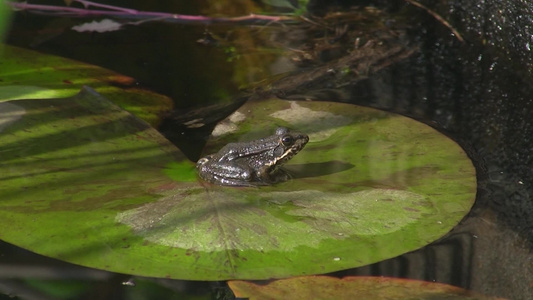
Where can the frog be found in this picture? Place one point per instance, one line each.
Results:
(253, 163)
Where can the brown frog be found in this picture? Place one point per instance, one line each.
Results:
(252, 163)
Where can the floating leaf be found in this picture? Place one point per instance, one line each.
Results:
(90, 184)
(369, 186)
(26, 74)
(323, 287)
(68, 167)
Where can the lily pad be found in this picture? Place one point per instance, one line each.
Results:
(86, 182)
(323, 287)
(26, 74)
(370, 185)
(68, 167)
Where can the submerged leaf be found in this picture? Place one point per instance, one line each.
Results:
(104, 25)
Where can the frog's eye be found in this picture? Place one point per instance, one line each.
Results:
(287, 140)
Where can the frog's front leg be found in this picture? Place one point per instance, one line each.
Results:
(269, 175)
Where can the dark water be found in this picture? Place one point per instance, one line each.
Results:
(478, 92)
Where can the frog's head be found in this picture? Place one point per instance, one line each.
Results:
(288, 145)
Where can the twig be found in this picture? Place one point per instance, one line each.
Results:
(120, 12)
(438, 17)
(88, 4)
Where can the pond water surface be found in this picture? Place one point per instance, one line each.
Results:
(477, 92)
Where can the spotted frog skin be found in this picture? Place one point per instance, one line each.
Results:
(252, 163)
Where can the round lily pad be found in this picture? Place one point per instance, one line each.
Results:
(88, 183)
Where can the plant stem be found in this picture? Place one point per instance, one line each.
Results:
(120, 12)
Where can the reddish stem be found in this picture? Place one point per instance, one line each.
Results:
(120, 12)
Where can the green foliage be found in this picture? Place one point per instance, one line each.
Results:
(28, 74)
(5, 19)
(91, 184)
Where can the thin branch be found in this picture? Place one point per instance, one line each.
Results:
(120, 12)
(88, 4)
(438, 18)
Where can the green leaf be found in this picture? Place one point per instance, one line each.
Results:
(89, 183)
(68, 167)
(5, 19)
(26, 74)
